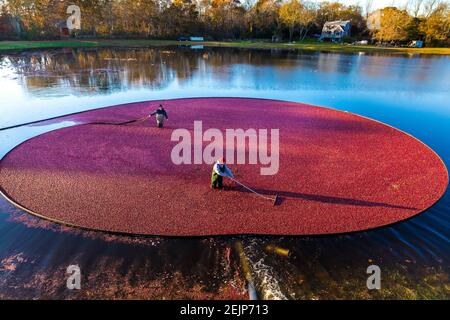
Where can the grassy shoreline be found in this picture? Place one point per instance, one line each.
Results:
(311, 46)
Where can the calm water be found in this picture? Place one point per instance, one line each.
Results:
(408, 92)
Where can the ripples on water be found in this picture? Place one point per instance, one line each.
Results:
(410, 93)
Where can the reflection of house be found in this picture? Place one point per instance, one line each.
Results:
(336, 30)
(374, 20)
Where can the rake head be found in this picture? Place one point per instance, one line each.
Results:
(277, 200)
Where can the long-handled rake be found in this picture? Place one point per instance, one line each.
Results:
(274, 201)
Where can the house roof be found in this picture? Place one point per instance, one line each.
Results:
(341, 23)
(333, 25)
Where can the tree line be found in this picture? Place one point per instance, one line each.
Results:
(293, 20)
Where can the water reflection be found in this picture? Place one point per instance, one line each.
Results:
(409, 93)
(35, 81)
(109, 70)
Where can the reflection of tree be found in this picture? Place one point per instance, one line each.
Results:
(102, 70)
(84, 71)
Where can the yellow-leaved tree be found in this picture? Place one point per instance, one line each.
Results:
(297, 15)
(393, 24)
(436, 27)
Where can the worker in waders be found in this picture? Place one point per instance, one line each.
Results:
(161, 115)
(219, 171)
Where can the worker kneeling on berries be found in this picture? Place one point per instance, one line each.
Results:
(219, 171)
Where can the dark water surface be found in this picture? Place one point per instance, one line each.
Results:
(408, 92)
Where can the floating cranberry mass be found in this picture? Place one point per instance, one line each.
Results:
(336, 172)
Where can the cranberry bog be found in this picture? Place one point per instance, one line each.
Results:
(337, 172)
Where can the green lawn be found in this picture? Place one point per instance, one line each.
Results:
(307, 45)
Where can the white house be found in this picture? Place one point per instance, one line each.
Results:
(336, 30)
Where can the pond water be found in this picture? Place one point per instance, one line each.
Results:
(408, 92)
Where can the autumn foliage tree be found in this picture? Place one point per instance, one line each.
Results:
(225, 18)
(221, 19)
(436, 27)
(392, 25)
(184, 18)
(6, 27)
(263, 18)
(289, 16)
(297, 16)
